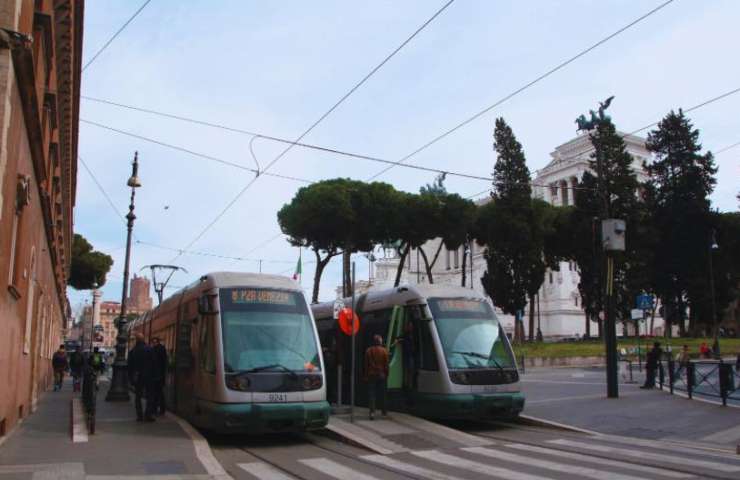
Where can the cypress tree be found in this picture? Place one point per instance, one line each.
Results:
(514, 263)
(680, 182)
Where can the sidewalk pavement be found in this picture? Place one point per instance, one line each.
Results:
(577, 397)
(42, 445)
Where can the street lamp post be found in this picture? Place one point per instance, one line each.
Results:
(118, 391)
(715, 344)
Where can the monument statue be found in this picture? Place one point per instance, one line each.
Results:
(596, 118)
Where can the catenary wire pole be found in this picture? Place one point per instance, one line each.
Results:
(168, 271)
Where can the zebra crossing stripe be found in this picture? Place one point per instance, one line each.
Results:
(334, 469)
(473, 466)
(264, 471)
(408, 468)
(549, 465)
(659, 457)
(600, 461)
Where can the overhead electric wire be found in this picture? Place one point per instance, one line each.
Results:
(210, 254)
(690, 109)
(316, 123)
(254, 135)
(118, 32)
(722, 150)
(194, 153)
(102, 190)
(523, 88)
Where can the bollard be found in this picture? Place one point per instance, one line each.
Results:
(690, 378)
(671, 374)
(725, 377)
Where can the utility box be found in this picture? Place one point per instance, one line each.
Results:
(613, 234)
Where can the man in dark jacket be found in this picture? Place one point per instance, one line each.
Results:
(651, 365)
(160, 374)
(59, 365)
(141, 375)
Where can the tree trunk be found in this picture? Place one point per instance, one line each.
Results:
(403, 254)
(427, 267)
(600, 326)
(531, 318)
(465, 265)
(588, 324)
(320, 265)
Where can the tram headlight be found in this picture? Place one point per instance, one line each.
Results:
(459, 378)
(312, 382)
(237, 382)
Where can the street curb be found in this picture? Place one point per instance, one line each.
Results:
(541, 422)
(202, 449)
(78, 425)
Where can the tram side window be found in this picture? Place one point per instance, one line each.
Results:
(207, 348)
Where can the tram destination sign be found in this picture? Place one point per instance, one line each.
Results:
(461, 305)
(262, 296)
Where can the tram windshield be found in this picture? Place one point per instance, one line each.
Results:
(267, 330)
(470, 334)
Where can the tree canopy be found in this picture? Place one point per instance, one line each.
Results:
(89, 267)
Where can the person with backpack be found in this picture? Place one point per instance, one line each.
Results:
(96, 361)
(76, 362)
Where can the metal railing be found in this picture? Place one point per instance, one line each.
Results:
(709, 378)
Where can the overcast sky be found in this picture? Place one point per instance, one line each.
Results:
(276, 67)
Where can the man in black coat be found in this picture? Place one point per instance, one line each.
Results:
(160, 374)
(141, 374)
(651, 365)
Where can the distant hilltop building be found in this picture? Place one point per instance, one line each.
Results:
(559, 313)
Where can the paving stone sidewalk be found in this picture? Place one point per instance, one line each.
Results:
(41, 448)
(577, 397)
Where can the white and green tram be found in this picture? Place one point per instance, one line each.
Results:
(457, 364)
(244, 354)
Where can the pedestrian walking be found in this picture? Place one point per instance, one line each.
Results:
(141, 375)
(76, 362)
(376, 375)
(652, 361)
(160, 375)
(59, 364)
(682, 360)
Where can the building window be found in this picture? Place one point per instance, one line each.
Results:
(22, 199)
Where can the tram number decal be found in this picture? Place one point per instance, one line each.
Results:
(277, 397)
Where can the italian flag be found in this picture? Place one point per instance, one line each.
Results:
(298, 269)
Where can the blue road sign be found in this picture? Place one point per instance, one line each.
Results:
(645, 302)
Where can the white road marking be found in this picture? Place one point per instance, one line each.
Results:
(202, 450)
(264, 471)
(477, 467)
(334, 469)
(722, 467)
(725, 436)
(600, 461)
(662, 445)
(408, 468)
(594, 473)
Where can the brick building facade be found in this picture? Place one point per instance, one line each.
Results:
(40, 66)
